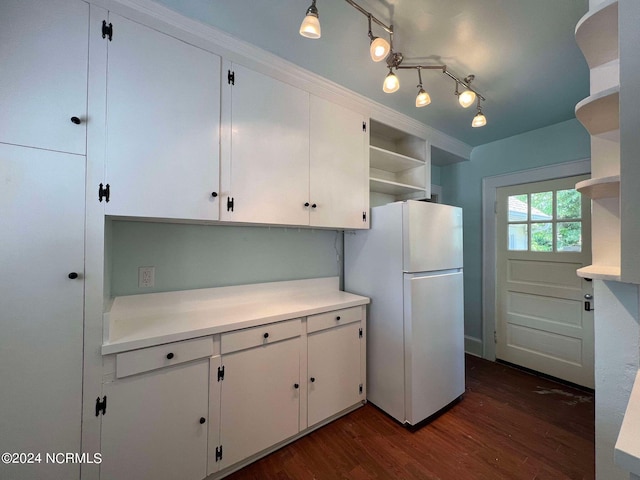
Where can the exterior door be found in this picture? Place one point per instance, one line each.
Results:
(543, 320)
(41, 300)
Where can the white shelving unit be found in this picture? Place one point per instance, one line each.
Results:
(400, 167)
(597, 36)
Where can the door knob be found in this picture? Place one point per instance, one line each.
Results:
(295, 385)
(313, 205)
(73, 275)
(266, 335)
(306, 204)
(313, 379)
(588, 296)
(202, 420)
(76, 120)
(169, 356)
(214, 194)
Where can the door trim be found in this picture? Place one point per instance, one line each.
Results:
(489, 187)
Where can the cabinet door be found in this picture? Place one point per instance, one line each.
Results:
(339, 169)
(163, 111)
(268, 175)
(152, 427)
(334, 371)
(44, 53)
(259, 401)
(42, 225)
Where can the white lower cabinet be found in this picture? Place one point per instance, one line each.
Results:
(156, 424)
(181, 410)
(334, 373)
(260, 399)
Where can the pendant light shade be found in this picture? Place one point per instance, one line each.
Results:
(423, 99)
(310, 26)
(391, 83)
(379, 49)
(479, 120)
(467, 98)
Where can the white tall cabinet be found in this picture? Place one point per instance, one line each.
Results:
(43, 104)
(41, 293)
(162, 125)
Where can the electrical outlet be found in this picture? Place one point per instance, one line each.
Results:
(146, 277)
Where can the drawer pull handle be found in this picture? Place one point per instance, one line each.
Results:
(169, 356)
(266, 335)
(295, 385)
(202, 420)
(313, 379)
(338, 317)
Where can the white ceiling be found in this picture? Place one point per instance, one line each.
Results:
(522, 52)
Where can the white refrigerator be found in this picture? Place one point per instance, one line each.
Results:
(410, 264)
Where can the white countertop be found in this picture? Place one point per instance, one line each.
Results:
(138, 321)
(627, 451)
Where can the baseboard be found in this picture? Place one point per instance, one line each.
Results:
(473, 346)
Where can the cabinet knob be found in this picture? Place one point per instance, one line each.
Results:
(313, 205)
(73, 275)
(338, 317)
(313, 379)
(202, 420)
(266, 335)
(214, 194)
(306, 204)
(169, 355)
(76, 120)
(295, 385)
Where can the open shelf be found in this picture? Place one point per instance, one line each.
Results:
(605, 187)
(600, 272)
(383, 159)
(600, 113)
(597, 34)
(392, 188)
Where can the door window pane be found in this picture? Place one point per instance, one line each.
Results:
(518, 208)
(569, 237)
(569, 204)
(542, 237)
(541, 206)
(518, 237)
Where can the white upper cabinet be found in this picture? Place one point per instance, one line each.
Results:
(43, 84)
(163, 116)
(339, 186)
(265, 178)
(290, 158)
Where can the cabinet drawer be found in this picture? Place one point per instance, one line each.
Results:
(261, 335)
(143, 360)
(333, 319)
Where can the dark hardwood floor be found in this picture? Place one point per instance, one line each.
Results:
(509, 425)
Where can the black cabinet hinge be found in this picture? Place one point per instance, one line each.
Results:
(219, 453)
(364, 216)
(360, 388)
(230, 202)
(360, 333)
(231, 77)
(364, 126)
(104, 192)
(221, 373)
(101, 406)
(107, 30)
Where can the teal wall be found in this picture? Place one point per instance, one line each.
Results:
(201, 256)
(436, 175)
(462, 186)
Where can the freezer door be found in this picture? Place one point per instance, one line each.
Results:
(432, 237)
(434, 343)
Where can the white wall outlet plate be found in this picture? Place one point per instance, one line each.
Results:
(146, 277)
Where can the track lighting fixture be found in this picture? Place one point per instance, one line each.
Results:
(467, 97)
(310, 26)
(479, 120)
(380, 49)
(423, 99)
(391, 83)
